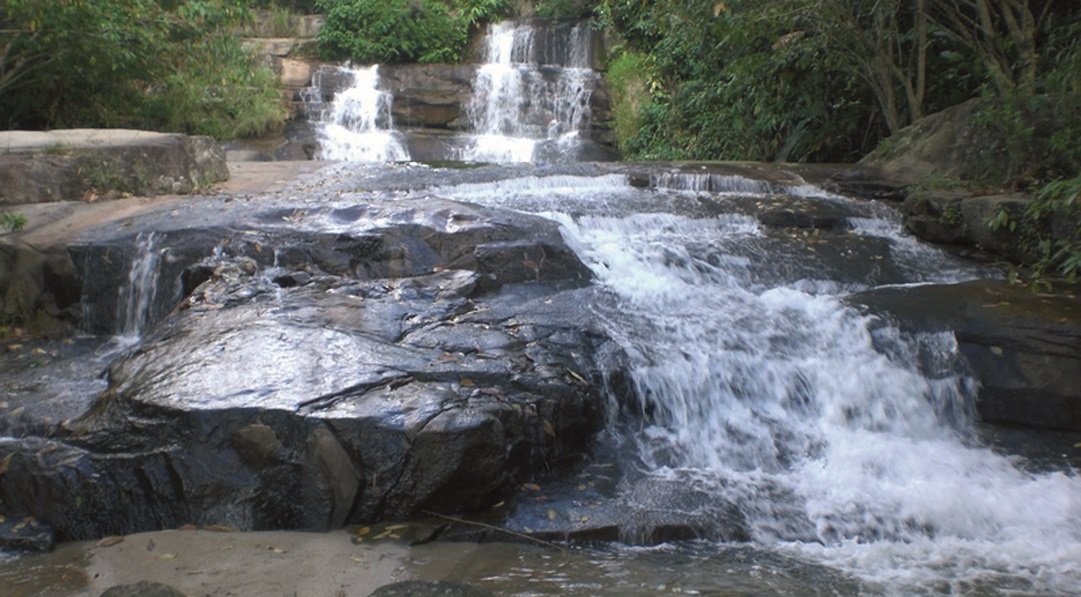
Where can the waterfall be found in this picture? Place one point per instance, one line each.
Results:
(358, 126)
(135, 298)
(837, 439)
(531, 96)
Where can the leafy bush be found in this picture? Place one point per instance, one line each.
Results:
(235, 99)
(124, 62)
(564, 9)
(739, 80)
(379, 31)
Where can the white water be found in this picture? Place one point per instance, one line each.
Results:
(820, 427)
(359, 126)
(136, 297)
(521, 113)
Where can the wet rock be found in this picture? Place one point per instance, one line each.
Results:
(435, 354)
(293, 279)
(423, 588)
(791, 212)
(38, 287)
(1023, 348)
(24, 533)
(143, 588)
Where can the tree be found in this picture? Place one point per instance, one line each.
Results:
(885, 43)
(1004, 34)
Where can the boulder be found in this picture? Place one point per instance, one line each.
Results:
(426, 357)
(1023, 348)
(89, 164)
(983, 141)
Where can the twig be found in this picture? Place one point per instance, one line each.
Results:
(492, 527)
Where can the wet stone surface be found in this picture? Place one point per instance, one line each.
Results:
(312, 366)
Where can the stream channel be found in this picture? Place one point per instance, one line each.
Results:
(730, 416)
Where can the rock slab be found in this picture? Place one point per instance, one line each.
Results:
(88, 164)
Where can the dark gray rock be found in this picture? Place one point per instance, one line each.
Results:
(1023, 348)
(434, 354)
(143, 588)
(424, 588)
(24, 533)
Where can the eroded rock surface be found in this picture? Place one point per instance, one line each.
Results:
(1023, 348)
(318, 366)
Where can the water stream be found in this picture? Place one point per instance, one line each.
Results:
(531, 96)
(838, 440)
(135, 300)
(358, 126)
(810, 445)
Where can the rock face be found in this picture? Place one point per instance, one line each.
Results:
(977, 141)
(89, 163)
(422, 357)
(1023, 348)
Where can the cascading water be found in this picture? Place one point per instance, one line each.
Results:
(358, 126)
(136, 297)
(837, 438)
(531, 97)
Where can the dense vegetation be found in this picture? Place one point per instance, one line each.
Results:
(375, 31)
(828, 80)
(154, 64)
(817, 80)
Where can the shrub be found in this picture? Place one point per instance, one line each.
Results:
(380, 31)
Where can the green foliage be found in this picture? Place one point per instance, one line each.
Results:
(380, 31)
(564, 9)
(69, 63)
(628, 79)
(12, 221)
(1058, 206)
(740, 80)
(233, 100)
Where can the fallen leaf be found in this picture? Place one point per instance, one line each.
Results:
(583, 519)
(6, 463)
(578, 378)
(219, 528)
(552, 514)
(110, 541)
(498, 505)
(3, 519)
(167, 556)
(364, 531)
(397, 527)
(465, 381)
(997, 351)
(531, 487)
(276, 549)
(39, 351)
(548, 427)
(14, 347)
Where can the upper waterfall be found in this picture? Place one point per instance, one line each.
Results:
(531, 100)
(358, 125)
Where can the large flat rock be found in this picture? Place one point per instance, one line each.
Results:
(89, 164)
